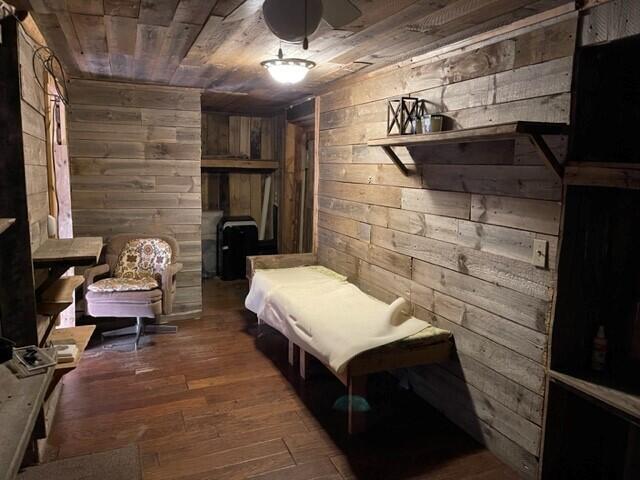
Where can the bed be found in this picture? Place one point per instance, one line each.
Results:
(351, 333)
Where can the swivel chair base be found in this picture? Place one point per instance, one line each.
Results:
(139, 329)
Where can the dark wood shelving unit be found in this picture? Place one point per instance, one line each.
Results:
(54, 300)
(592, 426)
(535, 131)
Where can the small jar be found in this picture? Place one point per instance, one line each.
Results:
(431, 123)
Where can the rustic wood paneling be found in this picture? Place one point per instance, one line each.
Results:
(21, 152)
(455, 237)
(34, 141)
(219, 45)
(135, 167)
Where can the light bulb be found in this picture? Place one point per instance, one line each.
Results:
(288, 70)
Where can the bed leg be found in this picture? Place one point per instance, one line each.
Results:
(292, 351)
(357, 418)
(303, 364)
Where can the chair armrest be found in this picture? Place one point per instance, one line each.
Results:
(91, 273)
(169, 286)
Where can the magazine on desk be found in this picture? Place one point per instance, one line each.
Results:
(32, 360)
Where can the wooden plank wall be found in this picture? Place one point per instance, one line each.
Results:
(253, 138)
(296, 170)
(456, 236)
(135, 167)
(32, 105)
(238, 137)
(610, 21)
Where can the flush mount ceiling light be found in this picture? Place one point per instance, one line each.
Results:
(288, 70)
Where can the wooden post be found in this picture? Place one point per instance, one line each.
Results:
(17, 299)
(316, 174)
(303, 364)
(292, 349)
(357, 385)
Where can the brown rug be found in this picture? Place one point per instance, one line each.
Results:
(120, 464)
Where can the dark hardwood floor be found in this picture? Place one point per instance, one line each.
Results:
(219, 401)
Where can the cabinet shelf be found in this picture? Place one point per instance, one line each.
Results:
(506, 131)
(627, 403)
(616, 175)
(230, 163)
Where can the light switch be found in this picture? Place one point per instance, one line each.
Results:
(540, 252)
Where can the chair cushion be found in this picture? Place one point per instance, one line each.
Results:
(143, 257)
(128, 297)
(124, 284)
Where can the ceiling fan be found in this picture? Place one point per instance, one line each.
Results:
(286, 18)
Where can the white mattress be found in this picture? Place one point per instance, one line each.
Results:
(326, 315)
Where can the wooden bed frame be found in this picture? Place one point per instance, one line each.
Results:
(388, 357)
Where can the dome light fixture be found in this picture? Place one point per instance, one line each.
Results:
(288, 70)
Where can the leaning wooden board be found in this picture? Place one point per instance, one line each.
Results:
(402, 354)
(20, 403)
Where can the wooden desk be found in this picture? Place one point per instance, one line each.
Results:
(20, 403)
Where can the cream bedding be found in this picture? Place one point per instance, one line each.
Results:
(327, 316)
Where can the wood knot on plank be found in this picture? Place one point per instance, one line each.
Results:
(462, 263)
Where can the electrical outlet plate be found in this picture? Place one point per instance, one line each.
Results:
(540, 252)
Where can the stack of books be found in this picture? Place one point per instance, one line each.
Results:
(66, 350)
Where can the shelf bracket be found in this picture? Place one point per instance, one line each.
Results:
(392, 155)
(547, 154)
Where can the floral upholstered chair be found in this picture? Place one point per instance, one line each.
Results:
(142, 282)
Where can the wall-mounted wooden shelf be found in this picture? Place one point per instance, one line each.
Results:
(624, 402)
(227, 163)
(506, 131)
(6, 223)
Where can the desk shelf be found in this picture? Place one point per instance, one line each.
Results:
(54, 300)
(81, 335)
(59, 295)
(506, 131)
(68, 252)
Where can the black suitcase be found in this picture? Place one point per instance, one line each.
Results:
(237, 239)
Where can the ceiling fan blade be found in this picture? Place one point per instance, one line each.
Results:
(339, 13)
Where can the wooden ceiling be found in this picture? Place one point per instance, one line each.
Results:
(217, 45)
